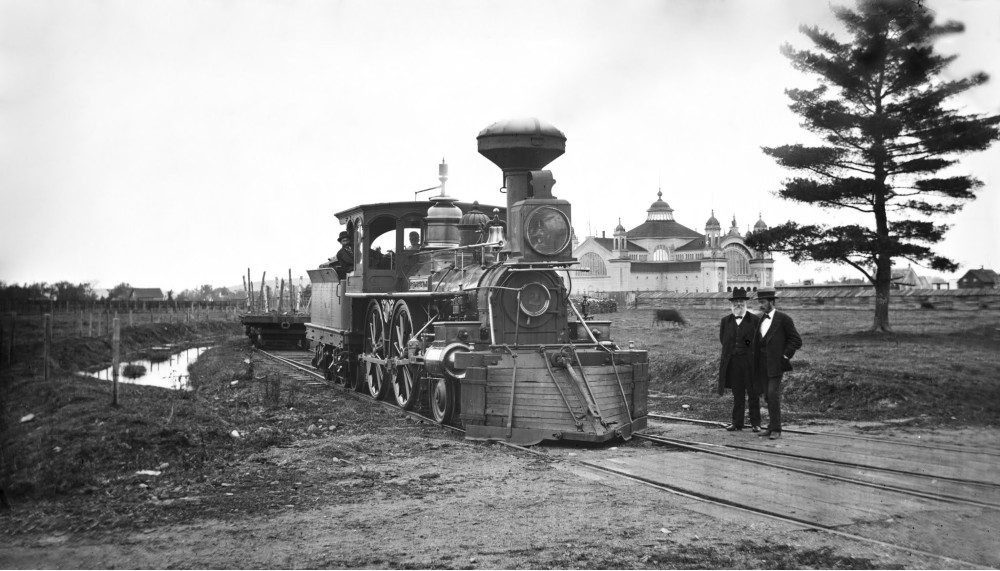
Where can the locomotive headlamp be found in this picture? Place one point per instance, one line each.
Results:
(535, 299)
(547, 231)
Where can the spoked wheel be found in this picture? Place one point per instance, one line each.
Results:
(442, 400)
(405, 386)
(376, 346)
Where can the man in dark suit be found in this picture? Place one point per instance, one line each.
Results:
(738, 335)
(343, 262)
(777, 343)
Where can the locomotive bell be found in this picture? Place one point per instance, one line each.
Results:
(496, 236)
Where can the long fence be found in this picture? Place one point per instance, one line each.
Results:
(97, 321)
(818, 297)
(122, 306)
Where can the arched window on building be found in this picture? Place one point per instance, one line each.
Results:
(594, 263)
(661, 254)
(737, 261)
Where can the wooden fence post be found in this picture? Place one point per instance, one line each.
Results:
(7, 338)
(90, 324)
(48, 346)
(11, 337)
(79, 323)
(115, 361)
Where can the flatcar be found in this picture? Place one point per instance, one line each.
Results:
(469, 306)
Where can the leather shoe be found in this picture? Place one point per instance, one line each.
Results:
(774, 436)
(732, 427)
(755, 428)
(765, 433)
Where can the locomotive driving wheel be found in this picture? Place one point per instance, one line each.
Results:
(403, 377)
(442, 400)
(376, 347)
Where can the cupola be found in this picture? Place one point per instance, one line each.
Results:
(659, 210)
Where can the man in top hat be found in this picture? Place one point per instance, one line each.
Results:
(343, 262)
(777, 344)
(738, 333)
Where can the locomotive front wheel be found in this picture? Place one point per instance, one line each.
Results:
(442, 400)
(376, 345)
(404, 377)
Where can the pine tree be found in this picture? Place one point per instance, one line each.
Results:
(881, 110)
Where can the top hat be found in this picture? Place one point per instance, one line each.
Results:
(767, 293)
(739, 294)
(344, 236)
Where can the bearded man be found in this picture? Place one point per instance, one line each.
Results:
(738, 333)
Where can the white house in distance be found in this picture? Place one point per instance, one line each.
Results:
(663, 255)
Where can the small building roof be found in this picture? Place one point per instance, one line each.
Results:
(693, 245)
(983, 275)
(662, 229)
(609, 244)
(147, 293)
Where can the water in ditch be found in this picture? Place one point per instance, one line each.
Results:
(171, 373)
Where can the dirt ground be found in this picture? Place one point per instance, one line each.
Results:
(411, 496)
(248, 471)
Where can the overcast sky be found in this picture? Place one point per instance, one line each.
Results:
(176, 143)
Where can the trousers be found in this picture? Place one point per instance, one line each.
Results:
(774, 403)
(739, 377)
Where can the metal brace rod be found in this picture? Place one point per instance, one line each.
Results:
(576, 419)
(513, 384)
(590, 389)
(621, 387)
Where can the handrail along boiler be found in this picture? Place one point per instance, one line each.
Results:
(478, 318)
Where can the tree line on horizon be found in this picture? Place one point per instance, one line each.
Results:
(65, 291)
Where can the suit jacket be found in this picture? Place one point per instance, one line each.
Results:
(780, 341)
(742, 339)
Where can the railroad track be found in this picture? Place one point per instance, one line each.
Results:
(837, 435)
(297, 364)
(976, 487)
(750, 509)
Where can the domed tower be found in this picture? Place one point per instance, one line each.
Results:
(659, 210)
(712, 231)
(760, 225)
(762, 264)
(620, 249)
(713, 264)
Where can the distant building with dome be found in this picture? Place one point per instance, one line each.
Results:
(663, 255)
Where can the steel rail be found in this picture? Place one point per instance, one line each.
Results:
(963, 481)
(809, 525)
(705, 447)
(838, 435)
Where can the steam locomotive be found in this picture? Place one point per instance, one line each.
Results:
(476, 314)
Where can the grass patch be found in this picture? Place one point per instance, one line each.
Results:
(935, 366)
